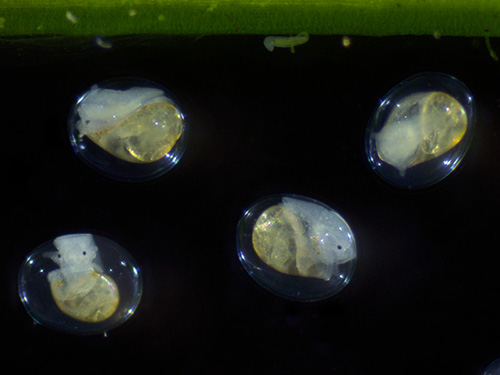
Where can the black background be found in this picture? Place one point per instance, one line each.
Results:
(424, 298)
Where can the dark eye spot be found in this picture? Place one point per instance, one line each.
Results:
(84, 253)
(339, 247)
(58, 255)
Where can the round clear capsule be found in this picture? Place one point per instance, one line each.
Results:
(421, 130)
(128, 129)
(493, 368)
(80, 283)
(296, 247)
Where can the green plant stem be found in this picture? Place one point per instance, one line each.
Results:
(216, 17)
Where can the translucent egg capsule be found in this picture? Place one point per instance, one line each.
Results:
(128, 129)
(80, 283)
(493, 368)
(421, 130)
(296, 247)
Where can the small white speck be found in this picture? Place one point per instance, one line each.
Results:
(132, 12)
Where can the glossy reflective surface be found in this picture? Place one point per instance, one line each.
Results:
(80, 283)
(129, 129)
(421, 130)
(296, 247)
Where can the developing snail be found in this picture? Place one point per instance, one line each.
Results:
(421, 130)
(296, 247)
(128, 129)
(80, 283)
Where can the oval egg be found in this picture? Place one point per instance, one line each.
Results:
(296, 247)
(128, 129)
(421, 130)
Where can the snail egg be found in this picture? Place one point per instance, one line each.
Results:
(421, 130)
(296, 247)
(128, 129)
(80, 283)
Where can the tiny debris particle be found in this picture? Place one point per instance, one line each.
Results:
(493, 55)
(103, 43)
(132, 12)
(270, 42)
(346, 41)
(71, 17)
(436, 35)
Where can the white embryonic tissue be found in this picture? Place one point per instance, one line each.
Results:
(138, 125)
(79, 287)
(76, 253)
(398, 143)
(329, 243)
(102, 109)
(296, 247)
(421, 127)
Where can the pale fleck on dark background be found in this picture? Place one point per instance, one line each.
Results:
(424, 298)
